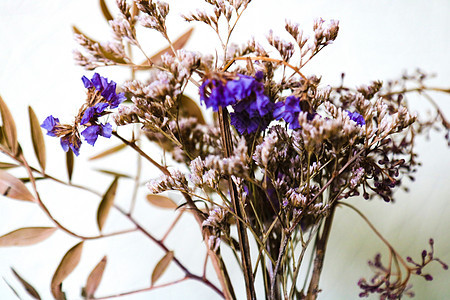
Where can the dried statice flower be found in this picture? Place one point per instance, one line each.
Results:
(70, 137)
(175, 181)
(155, 15)
(101, 96)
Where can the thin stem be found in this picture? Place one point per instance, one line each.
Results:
(41, 204)
(244, 245)
(264, 58)
(172, 225)
(164, 247)
(154, 287)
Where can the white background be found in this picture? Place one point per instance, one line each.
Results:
(377, 40)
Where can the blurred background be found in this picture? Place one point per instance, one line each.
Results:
(378, 40)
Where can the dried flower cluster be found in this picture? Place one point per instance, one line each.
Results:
(280, 153)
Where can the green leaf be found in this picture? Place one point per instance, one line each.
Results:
(161, 266)
(9, 127)
(37, 138)
(106, 203)
(105, 11)
(28, 287)
(26, 236)
(66, 266)
(161, 201)
(70, 160)
(109, 151)
(94, 278)
(12, 187)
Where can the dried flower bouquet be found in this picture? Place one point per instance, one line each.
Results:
(263, 176)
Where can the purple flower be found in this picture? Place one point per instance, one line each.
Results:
(107, 89)
(289, 110)
(72, 143)
(356, 117)
(92, 132)
(92, 114)
(50, 123)
(220, 95)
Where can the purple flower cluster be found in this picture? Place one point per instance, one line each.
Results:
(289, 110)
(101, 96)
(356, 117)
(252, 108)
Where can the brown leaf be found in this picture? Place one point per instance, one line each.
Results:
(9, 127)
(12, 187)
(106, 203)
(4, 165)
(94, 278)
(190, 108)
(66, 266)
(12, 288)
(115, 174)
(37, 138)
(161, 201)
(177, 45)
(70, 160)
(28, 287)
(26, 236)
(105, 11)
(109, 151)
(161, 266)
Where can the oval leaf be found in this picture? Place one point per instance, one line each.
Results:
(109, 151)
(70, 161)
(190, 108)
(161, 201)
(9, 127)
(37, 138)
(161, 266)
(5, 165)
(106, 203)
(12, 187)
(26, 236)
(94, 278)
(66, 266)
(113, 173)
(28, 287)
(105, 11)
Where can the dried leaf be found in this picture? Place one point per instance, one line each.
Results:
(12, 187)
(109, 151)
(26, 236)
(115, 174)
(66, 266)
(105, 11)
(106, 203)
(177, 45)
(106, 54)
(190, 108)
(94, 278)
(12, 288)
(70, 160)
(4, 165)
(9, 127)
(161, 201)
(37, 138)
(28, 287)
(161, 266)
